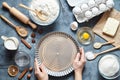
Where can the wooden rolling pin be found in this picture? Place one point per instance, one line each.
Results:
(19, 15)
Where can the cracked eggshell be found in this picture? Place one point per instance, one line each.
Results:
(84, 7)
(91, 3)
(74, 26)
(95, 10)
(76, 10)
(110, 3)
(88, 14)
(102, 7)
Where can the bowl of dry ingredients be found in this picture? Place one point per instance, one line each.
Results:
(45, 11)
(109, 66)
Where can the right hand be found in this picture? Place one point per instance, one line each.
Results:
(79, 61)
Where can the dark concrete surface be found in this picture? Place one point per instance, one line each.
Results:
(61, 24)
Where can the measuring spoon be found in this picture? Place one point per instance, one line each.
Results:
(41, 15)
(20, 30)
(92, 56)
(98, 45)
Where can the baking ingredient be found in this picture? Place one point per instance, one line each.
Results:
(110, 3)
(88, 14)
(23, 73)
(74, 26)
(28, 76)
(91, 3)
(97, 45)
(84, 7)
(89, 55)
(10, 44)
(102, 7)
(33, 40)
(48, 8)
(98, 1)
(13, 70)
(85, 36)
(26, 43)
(31, 69)
(95, 10)
(111, 27)
(33, 35)
(109, 65)
(76, 10)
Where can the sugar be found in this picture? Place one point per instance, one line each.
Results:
(112, 66)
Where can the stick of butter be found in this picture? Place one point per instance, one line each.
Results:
(111, 27)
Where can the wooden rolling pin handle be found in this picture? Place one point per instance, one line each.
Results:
(32, 25)
(6, 5)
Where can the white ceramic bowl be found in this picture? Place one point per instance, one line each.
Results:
(37, 20)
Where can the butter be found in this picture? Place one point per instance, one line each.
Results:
(111, 27)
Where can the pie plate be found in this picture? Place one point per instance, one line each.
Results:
(57, 51)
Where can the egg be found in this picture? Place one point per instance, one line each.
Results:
(98, 1)
(85, 36)
(95, 10)
(76, 10)
(110, 3)
(88, 14)
(74, 26)
(91, 3)
(84, 7)
(102, 7)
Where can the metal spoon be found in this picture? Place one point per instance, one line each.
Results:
(20, 30)
(40, 14)
(98, 45)
(97, 54)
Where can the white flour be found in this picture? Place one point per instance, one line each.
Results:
(48, 7)
(109, 65)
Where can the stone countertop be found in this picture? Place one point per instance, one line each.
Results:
(61, 24)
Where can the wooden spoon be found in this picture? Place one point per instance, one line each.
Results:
(98, 45)
(20, 30)
(97, 54)
(40, 14)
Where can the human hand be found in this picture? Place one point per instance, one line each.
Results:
(79, 61)
(40, 71)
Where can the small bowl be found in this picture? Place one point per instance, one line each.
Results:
(90, 33)
(22, 59)
(113, 76)
(37, 20)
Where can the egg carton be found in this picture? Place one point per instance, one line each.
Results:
(84, 10)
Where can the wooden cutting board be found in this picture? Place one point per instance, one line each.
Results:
(99, 26)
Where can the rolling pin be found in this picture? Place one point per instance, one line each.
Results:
(19, 15)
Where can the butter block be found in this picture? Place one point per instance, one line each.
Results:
(111, 27)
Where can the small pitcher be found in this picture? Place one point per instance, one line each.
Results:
(10, 43)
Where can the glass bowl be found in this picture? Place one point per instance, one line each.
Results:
(114, 70)
(85, 35)
(51, 19)
(22, 59)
